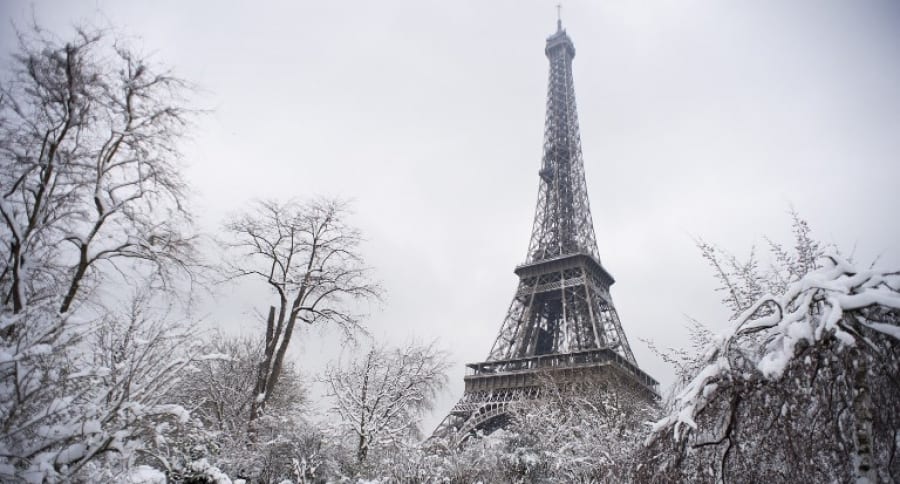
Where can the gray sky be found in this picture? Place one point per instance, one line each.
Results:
(698, 118)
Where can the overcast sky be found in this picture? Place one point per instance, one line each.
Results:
(699, 118)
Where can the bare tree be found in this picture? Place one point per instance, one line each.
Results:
(308, 255)
(89, 167)
(381, 396)
(89, 191)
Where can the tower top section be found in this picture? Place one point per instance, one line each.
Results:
(562, 223)
(559, 41)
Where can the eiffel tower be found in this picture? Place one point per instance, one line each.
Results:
(561, 320)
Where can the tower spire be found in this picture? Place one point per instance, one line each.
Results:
(558, 17)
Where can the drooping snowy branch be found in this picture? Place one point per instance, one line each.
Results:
(837, 301)
(804, 380)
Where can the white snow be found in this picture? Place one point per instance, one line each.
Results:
(145, 475)
(210, 472)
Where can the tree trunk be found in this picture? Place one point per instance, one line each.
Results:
(864, 471)
(16, 290)
(262, 374)
(363, 448)
(80, 271)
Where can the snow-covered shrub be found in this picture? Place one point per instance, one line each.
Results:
(77, 392)
(573, 432)
(44, 428)
(583, 431)
(279, 444)
(486, 459)
(286, 447)
(803, 386)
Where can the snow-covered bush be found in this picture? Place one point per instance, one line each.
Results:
(77, 392)
(573, 432)
(486, 459)
(802, 387)
(279, 444)
(585, 431)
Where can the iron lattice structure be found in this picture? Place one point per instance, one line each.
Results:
(561, 319)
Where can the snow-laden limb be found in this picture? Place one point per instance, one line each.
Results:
(806, 375)
(811, 309)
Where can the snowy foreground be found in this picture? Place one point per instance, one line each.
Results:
(106, 376)
(802, 383)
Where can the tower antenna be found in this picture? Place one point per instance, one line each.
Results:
(558, 17)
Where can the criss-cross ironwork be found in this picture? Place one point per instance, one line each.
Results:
(561, 318)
